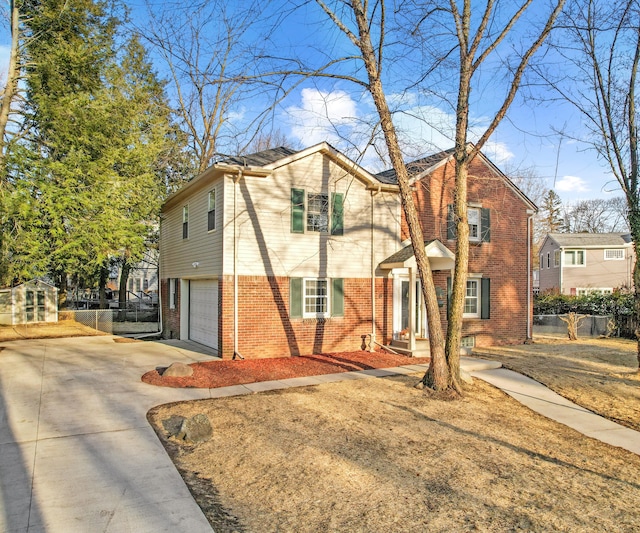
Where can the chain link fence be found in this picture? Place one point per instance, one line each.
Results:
(115, 321)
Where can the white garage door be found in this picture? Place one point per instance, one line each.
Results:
(203, 312)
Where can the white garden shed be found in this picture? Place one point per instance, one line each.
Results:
(28, 303)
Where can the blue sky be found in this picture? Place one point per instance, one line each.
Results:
(332, 110)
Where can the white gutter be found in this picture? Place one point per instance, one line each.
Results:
(236, 179)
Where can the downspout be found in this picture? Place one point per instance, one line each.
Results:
(236, 179)
(529, 281)
(373, 342)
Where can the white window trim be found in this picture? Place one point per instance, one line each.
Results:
(574, 250)
(212, 191)
(478, 297)
(308, 213)
(173, 282)
(617, 250)
(185, 219)
(478, 210)
(327, 313)
(582, 291)
(557, 258)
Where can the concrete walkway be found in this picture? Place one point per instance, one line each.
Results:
(78, 455)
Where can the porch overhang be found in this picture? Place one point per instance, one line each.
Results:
(440, 257)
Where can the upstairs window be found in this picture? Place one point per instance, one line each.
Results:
(614, 254)
(211, 211)
(574, 258)
(556, 258)
(317, 212)
(479, 220)
(185, 222)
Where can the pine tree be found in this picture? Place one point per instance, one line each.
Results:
(94, 167)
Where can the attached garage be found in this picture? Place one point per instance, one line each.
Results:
(203, 312)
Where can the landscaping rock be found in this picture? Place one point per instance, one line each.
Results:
(197, 429)
(173, 424)
(178, 370)
(194, 430)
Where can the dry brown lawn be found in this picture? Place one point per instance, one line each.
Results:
(379, 455)
(598, 374)
(63, 328)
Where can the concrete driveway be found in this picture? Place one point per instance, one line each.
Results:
(76, 451)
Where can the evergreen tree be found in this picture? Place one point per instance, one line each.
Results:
(551, 220)
(94, 167)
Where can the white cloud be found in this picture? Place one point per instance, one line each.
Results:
(498, 152)
(345, 121)
(571, 184)
(321, 116)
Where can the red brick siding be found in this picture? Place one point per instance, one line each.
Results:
(170, 317)
(503, 259)
(265, 328)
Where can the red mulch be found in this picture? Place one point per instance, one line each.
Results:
(213, 374)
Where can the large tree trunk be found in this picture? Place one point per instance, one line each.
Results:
(437, 376)
(102, 286)
(11, 87)
(122, 287)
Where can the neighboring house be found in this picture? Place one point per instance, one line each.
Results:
(30, 302)
(142, 283)
(286, 253)
(581, 263)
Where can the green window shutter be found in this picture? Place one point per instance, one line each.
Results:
(485, 296)
(337, 297)
(295, 297)
(448, 293)
(297, 210)
(337, 214)
(485, 225)
(451, 223)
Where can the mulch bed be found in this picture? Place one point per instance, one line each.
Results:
(213, 374)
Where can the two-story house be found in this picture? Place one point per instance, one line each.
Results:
(580, 263)
(285, 253)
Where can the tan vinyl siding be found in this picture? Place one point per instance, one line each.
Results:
(202, 246)
(268, 247)
(598, 273)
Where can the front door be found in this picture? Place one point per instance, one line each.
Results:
(401, 309)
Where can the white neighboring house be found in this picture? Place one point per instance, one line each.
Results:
(582, 263)
(28, 303)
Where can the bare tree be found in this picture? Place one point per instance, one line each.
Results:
(597, 215)
(602, 45)
(367, 27)
(211, 59)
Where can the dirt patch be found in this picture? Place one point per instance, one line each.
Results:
(376, 455)
(598, 374)
(125, 340)
(213, 374)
